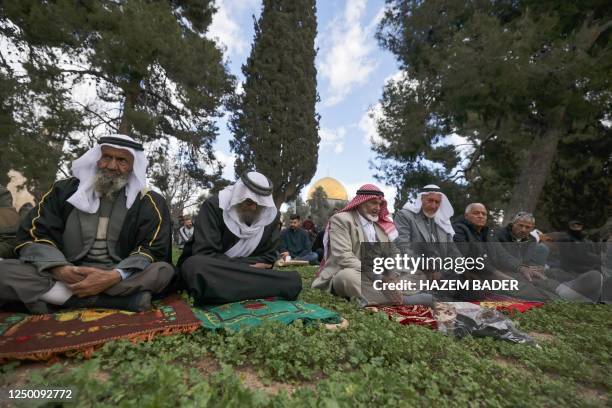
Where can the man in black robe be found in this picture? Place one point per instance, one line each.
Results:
(9, 222)
(234, 246)
(98, 239)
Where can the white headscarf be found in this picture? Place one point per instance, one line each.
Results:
(86, 198)
(444, 213)
(250, 235)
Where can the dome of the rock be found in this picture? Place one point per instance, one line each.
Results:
(332, 187)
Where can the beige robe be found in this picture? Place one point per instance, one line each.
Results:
(342, 270)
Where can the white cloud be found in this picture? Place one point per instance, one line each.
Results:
(239, 87)
(227, 160)
(346, 58)
(333, 138)
(395, 77)
(226, 30)
(367, 124)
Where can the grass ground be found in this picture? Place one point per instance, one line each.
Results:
(374, 362)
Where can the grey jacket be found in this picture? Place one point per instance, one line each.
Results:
(413, 233)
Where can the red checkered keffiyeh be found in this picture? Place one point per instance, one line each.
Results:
(365, 193)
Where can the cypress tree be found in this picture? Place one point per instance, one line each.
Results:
(274, 122)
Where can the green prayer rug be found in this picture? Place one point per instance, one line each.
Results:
(251, 313)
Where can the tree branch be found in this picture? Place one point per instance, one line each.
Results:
(108, 122)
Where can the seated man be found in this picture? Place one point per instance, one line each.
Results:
(309, 226)
(234, 246)
(185, 232)
(424, 226)
(98, 239)
(518, 241)
(317, 244)
(584, 255)
(9, 223)
(474, 240)
(296, 243)
(364, 220)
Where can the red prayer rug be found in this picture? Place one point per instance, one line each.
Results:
(409, 314)
(510, 306)
(41, 337)
(507, 304)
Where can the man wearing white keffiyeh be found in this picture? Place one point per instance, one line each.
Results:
(97, 239)
(424, 225)
(234, 245)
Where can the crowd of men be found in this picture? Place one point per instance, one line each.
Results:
(103, 239)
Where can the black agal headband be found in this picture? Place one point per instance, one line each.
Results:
(370, 193)
(254, 187)
(117, 141)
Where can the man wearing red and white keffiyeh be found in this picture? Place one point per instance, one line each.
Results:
(364, 219)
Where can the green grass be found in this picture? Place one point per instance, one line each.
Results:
(374, 362)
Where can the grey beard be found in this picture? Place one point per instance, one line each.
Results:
(373, 218)
(107, 183)
(249, 217)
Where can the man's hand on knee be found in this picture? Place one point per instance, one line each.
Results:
(95, 282)
(67, 274)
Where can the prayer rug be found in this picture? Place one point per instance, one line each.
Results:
(251, 313)
(40, 337)
(409, 314)
(508, 304)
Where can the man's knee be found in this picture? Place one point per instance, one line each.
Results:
(163, 270)
(197, 262)
(161, 274)
(312, 258)
(154, 278)
(22, 281)
(347, 283)
(541, 251)
(11, 269)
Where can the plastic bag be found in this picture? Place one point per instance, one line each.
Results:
(474, 320)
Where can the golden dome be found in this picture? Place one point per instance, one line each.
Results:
(332, 187)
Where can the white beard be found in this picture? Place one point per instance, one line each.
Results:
(373, 218)
(107, 185)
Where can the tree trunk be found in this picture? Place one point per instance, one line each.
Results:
(131, 95)
(534, 173)
(280, 196)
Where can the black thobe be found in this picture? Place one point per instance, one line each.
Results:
(214, 278)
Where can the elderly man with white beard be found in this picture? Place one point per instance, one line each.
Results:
(98, 239)
(424, 226)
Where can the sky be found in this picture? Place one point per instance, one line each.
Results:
(351, 72)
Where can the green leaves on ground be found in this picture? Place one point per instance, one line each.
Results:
(373, 362)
